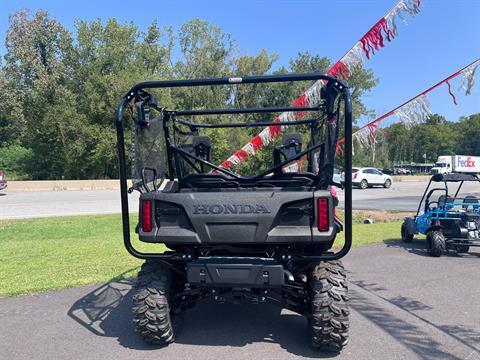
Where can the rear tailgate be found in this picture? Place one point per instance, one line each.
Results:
(236, 217)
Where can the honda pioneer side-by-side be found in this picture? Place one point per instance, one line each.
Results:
(231, 237)
(449, 222)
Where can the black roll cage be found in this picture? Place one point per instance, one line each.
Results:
(137, 91)
(445, 179)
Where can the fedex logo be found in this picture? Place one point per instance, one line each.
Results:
(468, 162)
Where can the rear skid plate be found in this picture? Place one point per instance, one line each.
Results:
(234, 273)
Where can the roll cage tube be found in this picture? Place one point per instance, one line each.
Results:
(445, 179)
(133, 92)
(458, 189)
(460, 185)
(430, 193)
(251, 178)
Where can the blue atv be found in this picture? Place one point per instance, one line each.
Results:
(449, 222)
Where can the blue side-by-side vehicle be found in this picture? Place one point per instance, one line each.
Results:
(449, 222)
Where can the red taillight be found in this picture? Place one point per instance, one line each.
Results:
(147, 215)
(322, 214)
(355, 175)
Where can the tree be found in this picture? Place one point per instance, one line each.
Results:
(432, 140)
(36, 80)
(398, 141)
(436, 119)
(435, 137)
(109, 59)
(60, 90)
(16, 160)
(360, 82)
(468, 130)
(206, 52)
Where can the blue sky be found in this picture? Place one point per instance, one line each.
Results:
(443, 38)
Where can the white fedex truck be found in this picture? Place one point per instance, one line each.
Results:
(456, 163)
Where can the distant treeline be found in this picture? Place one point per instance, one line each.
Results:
(60, 90)
(397, 144)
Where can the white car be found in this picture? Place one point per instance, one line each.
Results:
(337, 176)
(3, 182)
(368, 177)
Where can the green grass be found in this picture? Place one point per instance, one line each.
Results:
(375, 233)
(60, 252)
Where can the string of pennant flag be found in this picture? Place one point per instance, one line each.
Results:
(383, 31)
(416, 110)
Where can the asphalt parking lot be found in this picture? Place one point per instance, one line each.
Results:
(405, 305)
(31, 204)
(402, 196)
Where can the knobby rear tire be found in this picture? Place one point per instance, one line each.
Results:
(329, 322)
(153, 316)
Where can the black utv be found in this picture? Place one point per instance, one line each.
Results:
(266, 237)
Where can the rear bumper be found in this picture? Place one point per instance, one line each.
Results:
(235, 272)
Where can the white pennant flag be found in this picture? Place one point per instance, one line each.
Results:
(415, 112)
(468, 77)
